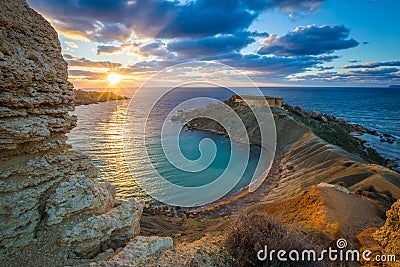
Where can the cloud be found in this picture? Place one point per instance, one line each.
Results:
(294, 8)
(376, 72)
(168, 32)
(106, 32)
(266, 66)
(83, 62)
(110, 49)
(71, 44)
(208, 17)
(85, 75)
(309, 40)
(277, 65)
(326, 67)
(208, 46)
(379, 76)
(374, 65)
(106, 21)
(68, 56)
(157, 49)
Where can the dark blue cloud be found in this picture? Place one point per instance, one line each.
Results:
(109, 20)
(108, 49)
(209, 17)
(83, 62)
(379, 76)
(326, 67)
(86, 75)
(277, 65)
(309, 40)
(294, 8)
(377, 72)
(208, 46)
(156, 48)
(371, 65)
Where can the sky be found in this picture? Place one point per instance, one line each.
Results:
(111, 43)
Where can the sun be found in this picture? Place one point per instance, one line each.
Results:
(114, 78)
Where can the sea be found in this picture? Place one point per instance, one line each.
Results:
(100, 128)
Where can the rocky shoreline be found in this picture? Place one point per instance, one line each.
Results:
(334, 131)
(94, 97)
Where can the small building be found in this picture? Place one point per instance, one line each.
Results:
(259, 101)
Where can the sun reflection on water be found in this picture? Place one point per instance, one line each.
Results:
(104, 123)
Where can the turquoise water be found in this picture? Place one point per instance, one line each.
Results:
(187, 141)
(100, 127)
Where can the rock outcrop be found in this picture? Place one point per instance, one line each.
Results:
(329, 209)
(52, 209)
(388, 237)
(142, 246)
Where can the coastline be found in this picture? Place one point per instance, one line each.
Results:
(346, 135)
(275, 185)
(94, 97)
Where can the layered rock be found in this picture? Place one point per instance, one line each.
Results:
(142, 246)
(49, 196)
(329, 209)
(388, 236)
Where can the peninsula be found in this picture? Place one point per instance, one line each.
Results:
(93, 97)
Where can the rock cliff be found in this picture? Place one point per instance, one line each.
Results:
(52, 209)
(388, 236)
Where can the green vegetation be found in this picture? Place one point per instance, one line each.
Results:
(336, 134)
(334, 131)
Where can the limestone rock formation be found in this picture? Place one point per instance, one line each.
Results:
(110, 230)
(50, 201)
(388, 236)
(143, 246)
(329, 209)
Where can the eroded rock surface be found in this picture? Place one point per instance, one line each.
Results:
(110, 230)
(143, 246)
(388, 237)
(52, 209)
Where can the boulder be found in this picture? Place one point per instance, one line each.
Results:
(110, 230)
(143, 246)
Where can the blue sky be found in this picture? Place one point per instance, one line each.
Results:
(275, 42)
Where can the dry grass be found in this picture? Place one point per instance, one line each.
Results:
(252, 232)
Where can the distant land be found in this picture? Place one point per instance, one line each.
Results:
(94, 97)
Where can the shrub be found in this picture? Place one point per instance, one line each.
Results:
(252, 232)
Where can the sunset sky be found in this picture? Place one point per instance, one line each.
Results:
(275, 42)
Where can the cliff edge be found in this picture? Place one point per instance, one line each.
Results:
(52, 210)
